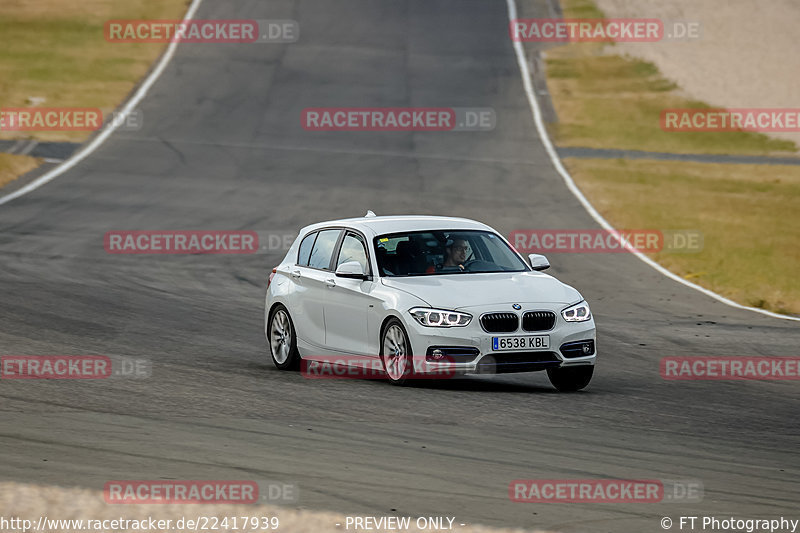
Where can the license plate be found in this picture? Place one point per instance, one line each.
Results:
(524, 342)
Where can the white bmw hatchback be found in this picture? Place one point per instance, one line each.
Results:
(423, 292)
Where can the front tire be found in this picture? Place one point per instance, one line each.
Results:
(396, 352)
(282, 340)
(571, 378)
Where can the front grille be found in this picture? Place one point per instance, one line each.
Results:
(575, 349)
(538, 320)
(500, 322)
(502, 363)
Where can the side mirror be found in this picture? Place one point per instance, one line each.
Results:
(538, 262)
(351, 269)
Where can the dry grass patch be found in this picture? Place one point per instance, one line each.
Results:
(605, 100)
(747, 214)
(56, 50)
(13, 166)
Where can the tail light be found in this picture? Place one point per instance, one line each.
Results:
(272, 275)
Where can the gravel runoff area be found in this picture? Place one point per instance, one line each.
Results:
(748, 55)
(30, 502)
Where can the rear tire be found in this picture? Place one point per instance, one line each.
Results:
(571, 378)
(282, 339)
(396, 352)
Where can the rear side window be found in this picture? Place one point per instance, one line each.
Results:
(305, 249)
(322, 251)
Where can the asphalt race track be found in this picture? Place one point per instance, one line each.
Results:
(222, 148)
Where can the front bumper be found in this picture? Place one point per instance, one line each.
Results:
(468, 350)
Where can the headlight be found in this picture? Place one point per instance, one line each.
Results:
(440, 318)
(577, 313)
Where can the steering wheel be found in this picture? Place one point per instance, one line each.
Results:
(468, 263)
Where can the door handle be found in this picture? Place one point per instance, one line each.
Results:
(330, 282)
(295, 274)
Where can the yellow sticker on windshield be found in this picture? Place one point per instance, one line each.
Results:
(383, 240)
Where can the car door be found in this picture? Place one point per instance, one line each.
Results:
(309, 275)
(349, 301)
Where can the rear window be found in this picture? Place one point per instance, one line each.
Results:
(322, 251)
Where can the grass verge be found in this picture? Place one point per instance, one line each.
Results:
(54, 54)
(746, 213)
(12, 166)
(55, 50)
(605, 100)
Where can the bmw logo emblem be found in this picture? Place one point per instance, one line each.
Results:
(517, 306)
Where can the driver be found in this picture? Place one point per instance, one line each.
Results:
(456, 253)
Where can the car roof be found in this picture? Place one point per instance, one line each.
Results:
(376, 225)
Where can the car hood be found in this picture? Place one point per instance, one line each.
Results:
(454, 291)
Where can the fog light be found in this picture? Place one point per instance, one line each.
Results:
(582, 348)
(437, 355)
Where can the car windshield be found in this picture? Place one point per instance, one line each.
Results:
(429, 253)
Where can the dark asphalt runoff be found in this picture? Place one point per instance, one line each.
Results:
(222, 148)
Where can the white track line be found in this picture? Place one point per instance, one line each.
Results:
(110, 126)
(548, 145)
